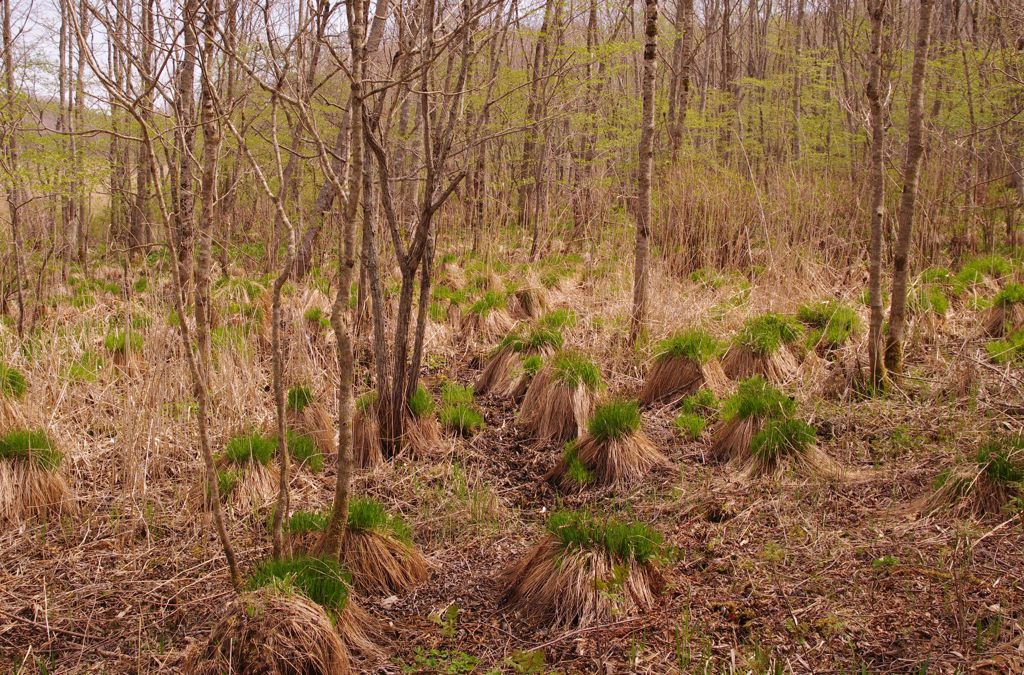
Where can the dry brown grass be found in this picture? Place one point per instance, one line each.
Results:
(29, 492)
(1002, 319)
(554, 410)
(615, 461)
(528, 303)
(367, 451)
(269, 632)
(561, 588)
(741, 362)
(489, 326)
(316, 421)
(381, 564)
(971, 493)
(422, 436)
(671, 378)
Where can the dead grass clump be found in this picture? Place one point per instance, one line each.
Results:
(759, 435)
(614, 451)
(528, 303)
(366, 446)
(505, 370)
(584, 572)
(989, 487)
(31, 484)
(1007, 312)
(683, 364)
(272, 630)
(763, 347)
(561, 397)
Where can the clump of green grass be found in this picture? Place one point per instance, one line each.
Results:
(574, 369)
(1009, 350)
(693, 413)
(226, 481)
(534, 340)
(768, 333)
(614, 420)
(369, 515)
(421, 403)
(317, 317)
(1003, 460)
(690, 425)
(120, 341)
(322, 580)
(453, 393)
(299, 397)
(12, 382)
(781, 437)
(366, 401)
(303, 448)
(31, 445)
(756, 398)
(694, 345)
(86, 368)
(532, 364)
(626, 541)
(304, 522)
(931, 299)
(836, 321)
(461, 419)
(558, 319)
(251, 447)
(575, 469)
(976, 270)
(1012, 294)
(491, 301)
(936, 275)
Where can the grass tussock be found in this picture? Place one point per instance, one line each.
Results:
(763, 347)
(991, 485)
(246, 477)
(13, 384)
(1006, 315)
(488, 317)
(694, 411)
(458, 414)
(614, 451)
(684, 363)
(832, 323)
(31, 483)
(585, 571)
(561, 397)
(367, 450)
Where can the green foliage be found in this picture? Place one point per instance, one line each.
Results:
(627, 541)
(298, 398)
(251, 447)
(226, 481)
(575, 469)
(238, 289)
(86, 368)
(702, 402)
(614, 420)
(533, 341)
(976, 270)
(930, 300)
(837, 321)
(453, 393)
(532, 363)
(451, 295)
(491, 301)
(421, 403)
(366, 401)
(1009, 350)
(693, 345)
(304, 450)
(317, 317)
(936, 275)
(690, 425)
(768, 333)
(1012, 294)
(304, 522)
(371, 516)
(574, 369)
(708, 278)
(12, 382)
(756, 398)
(1003, 460)
(322, 580)
(32, 445)
(781, 437)
(461, 418)
(120, 341)
(557, 319)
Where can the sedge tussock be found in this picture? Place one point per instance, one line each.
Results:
(367, 450)
(560, 398)
(995, 481)
(31, 482)
(382, 564)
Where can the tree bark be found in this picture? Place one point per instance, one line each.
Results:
(644, 211)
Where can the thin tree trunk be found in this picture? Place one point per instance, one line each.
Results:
(876, 11)
(644, 211)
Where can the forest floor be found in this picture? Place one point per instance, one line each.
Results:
(784, 574)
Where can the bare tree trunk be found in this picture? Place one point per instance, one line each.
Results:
(644, 211)
(797, 51)
(682, 59)
(876, 11)
(14, 193)
(183, 199)
(905, 215)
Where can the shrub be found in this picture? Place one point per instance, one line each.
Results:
(627, 541)
(371, 516)
(252, 447)
(32, 445)
(767, 333)
(120, 341)
(614, 420)
(756, 398)
(574, 369)
(461, 418)
(837, 321)
(298, 398)
(693, 345)
(303, 449)
(12, 382)
(322, 580)
(421, 403)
